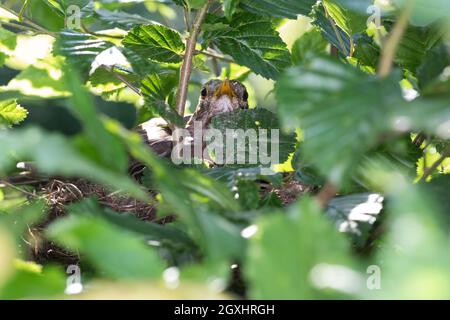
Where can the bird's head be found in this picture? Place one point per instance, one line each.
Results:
(219, 96)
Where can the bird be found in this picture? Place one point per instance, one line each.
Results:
(216, 97)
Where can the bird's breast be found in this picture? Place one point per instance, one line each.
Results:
(222, 104)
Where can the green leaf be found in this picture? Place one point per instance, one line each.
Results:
(39, 82)
(109, 248)
(279, 8)
(341, 111)
(415, 44)
(8, 39)
(40, 12)
(55, 155)
(2, 59)
(287, 248)
(348, 20)
(110, 151)
(166, 235)
(359, 6)
(25, 284)
(425, 12)
(120, 19)
(196, 4)
(432, 65)
(306, 172)
(355, 214)
(308, 45)
(197, 199)
(105, 75)
(244, 183)
(366, 52)
(253, 42)
(430, 114)
(338, 37)
(63, 5)
(11, 113)
(439, 190)
(415, 245)
(80, 49)
(155, 43)
(229, 7)
(268, 138)
(233, 175)
(19, 219)
(157, 89)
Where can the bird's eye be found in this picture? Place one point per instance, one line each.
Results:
(204, 92)
(245, 96)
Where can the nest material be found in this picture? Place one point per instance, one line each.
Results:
(60, 193)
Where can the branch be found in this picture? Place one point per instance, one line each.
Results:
(215, 55)
(186, 68)
(119, 77)
(96, 34)
(18, 26)
(392, 42)
(23, 19)
(327, 193)
(435, 165)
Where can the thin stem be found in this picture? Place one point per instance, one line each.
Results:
(424, 152)
(10, 185)
(435, 165)
(28, 21)
(22, 10)
(119, 77)
(215, 55)
(392, 42)
(18, 26)
(93, 33)
(337, 33)
(187, 19)
(186, 68)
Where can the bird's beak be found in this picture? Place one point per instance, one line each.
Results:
(225, 89)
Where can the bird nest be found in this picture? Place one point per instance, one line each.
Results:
(58, 194)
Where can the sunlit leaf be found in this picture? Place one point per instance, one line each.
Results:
(279, 8)
(8, 39)
(156, 89)
(155, 42)
(79, 48)
(338, 37)
(11, 113)
(253, 42)
(120, 18)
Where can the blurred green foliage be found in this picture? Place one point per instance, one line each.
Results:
(68, 98)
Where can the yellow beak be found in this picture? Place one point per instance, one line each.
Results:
(225, 89)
